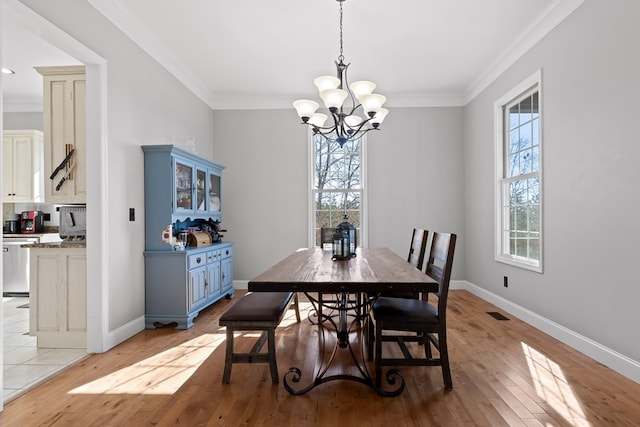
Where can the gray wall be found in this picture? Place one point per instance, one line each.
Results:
(19, 121)
(414, 180)
(590, 70)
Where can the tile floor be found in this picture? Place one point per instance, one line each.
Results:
(25, 365)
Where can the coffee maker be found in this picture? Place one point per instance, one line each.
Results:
(32, 222)
(11, 223)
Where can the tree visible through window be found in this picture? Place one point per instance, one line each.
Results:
(337, 184)
(519, 234)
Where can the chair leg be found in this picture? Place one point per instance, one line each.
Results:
(228, 360)
(444, 360)
(370, 335)
(378, 360)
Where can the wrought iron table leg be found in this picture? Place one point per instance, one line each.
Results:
(342, 329)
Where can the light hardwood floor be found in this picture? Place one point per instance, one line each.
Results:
(504, 373)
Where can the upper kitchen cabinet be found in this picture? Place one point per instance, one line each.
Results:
(22, 166)
(64, 134)
(179, 186)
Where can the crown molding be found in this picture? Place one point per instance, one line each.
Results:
(132, 28)
(261, 102)
(544, 23)
(537, 29)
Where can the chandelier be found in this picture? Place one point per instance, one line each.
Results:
(345, 124)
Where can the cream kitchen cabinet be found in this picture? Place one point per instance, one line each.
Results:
(64, 130)
(22, 166)
(58, 297)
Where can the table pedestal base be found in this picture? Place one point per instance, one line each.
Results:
(343, 328)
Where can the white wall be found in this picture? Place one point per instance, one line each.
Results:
(589, 99)
(145, 105)
(415, 180)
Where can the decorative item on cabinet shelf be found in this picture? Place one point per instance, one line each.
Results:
(192, 233)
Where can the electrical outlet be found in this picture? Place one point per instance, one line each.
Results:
(506, 282)
(132, 214)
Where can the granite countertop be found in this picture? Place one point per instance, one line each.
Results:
(56, 245)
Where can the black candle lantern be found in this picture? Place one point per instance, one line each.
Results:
(345, 226)
(340, 244)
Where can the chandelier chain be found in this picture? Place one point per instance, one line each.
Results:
(341, 56)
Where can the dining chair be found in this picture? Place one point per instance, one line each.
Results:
(426, 319)
(417, 251)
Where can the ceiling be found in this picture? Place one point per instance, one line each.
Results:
(265, 54)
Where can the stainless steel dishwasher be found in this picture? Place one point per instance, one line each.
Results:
(15, 263)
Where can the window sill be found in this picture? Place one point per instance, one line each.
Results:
(520, 263)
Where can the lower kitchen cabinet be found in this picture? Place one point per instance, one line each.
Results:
(58, 297)
(179, 284)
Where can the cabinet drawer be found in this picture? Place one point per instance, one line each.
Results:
(226, 252)
(196, 260)
(213, 256)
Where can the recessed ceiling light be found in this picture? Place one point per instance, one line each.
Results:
(7, 71)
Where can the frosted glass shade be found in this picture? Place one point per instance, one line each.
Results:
(305, 108)
(333, 98)
(353, 121)
(326, 82)
(372, 103)
(362, 88)
(318, 120)
(379, 117)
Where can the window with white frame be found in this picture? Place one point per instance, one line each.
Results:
(519, 176)
(337, 186)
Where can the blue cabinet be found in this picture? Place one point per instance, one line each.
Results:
(179, 186)
(182, 189)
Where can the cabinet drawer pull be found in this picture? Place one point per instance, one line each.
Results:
(198, 260)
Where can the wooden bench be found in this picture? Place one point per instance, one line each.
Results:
(256, 311)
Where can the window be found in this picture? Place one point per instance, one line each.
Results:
(519, 177)
(337, 187)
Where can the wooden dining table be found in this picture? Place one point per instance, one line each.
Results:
(315, 273)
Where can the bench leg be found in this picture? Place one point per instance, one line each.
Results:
(271, 345)
(228, 360)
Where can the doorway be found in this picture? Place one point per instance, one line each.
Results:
(15, 12)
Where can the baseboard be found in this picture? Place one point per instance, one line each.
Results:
(618, 362)
(124, 332)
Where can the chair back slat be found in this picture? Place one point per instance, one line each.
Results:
(418, 247)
